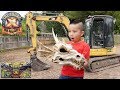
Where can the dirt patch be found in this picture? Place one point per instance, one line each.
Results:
(54, 71)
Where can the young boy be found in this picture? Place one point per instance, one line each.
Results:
(76, 31)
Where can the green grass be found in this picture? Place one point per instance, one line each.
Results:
(117, 39)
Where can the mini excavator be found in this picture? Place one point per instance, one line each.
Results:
(98, 34)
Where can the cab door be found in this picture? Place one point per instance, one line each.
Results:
(109, 35)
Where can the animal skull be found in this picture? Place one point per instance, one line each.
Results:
(64, 54)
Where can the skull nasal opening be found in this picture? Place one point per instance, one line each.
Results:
(63, 50)
(61, 59)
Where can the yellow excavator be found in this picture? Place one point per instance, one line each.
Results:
(98, 34)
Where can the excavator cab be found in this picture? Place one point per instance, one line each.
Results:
(99, 33)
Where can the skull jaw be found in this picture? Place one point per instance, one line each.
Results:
(62, 61)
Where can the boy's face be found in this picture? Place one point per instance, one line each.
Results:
(75, 32)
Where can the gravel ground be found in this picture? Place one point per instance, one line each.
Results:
(54, 71)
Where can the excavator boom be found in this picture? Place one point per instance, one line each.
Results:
(37, 64)
(31, 23)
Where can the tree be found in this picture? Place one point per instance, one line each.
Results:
(24, 26)
(82, 15)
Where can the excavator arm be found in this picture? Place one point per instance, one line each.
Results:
(31, 23)
(37, 64)
(32, 26)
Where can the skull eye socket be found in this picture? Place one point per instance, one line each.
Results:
(78, 56)
(61, 59)
(63, 50)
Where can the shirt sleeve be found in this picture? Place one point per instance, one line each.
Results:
(86, 52)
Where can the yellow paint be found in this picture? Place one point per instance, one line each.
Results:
(102, 51)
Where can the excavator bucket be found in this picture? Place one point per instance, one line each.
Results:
(38, 65)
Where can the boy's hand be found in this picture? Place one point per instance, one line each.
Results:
(86, 63)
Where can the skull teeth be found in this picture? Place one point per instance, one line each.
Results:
(76, 62)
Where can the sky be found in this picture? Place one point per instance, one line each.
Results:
(22, 13)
